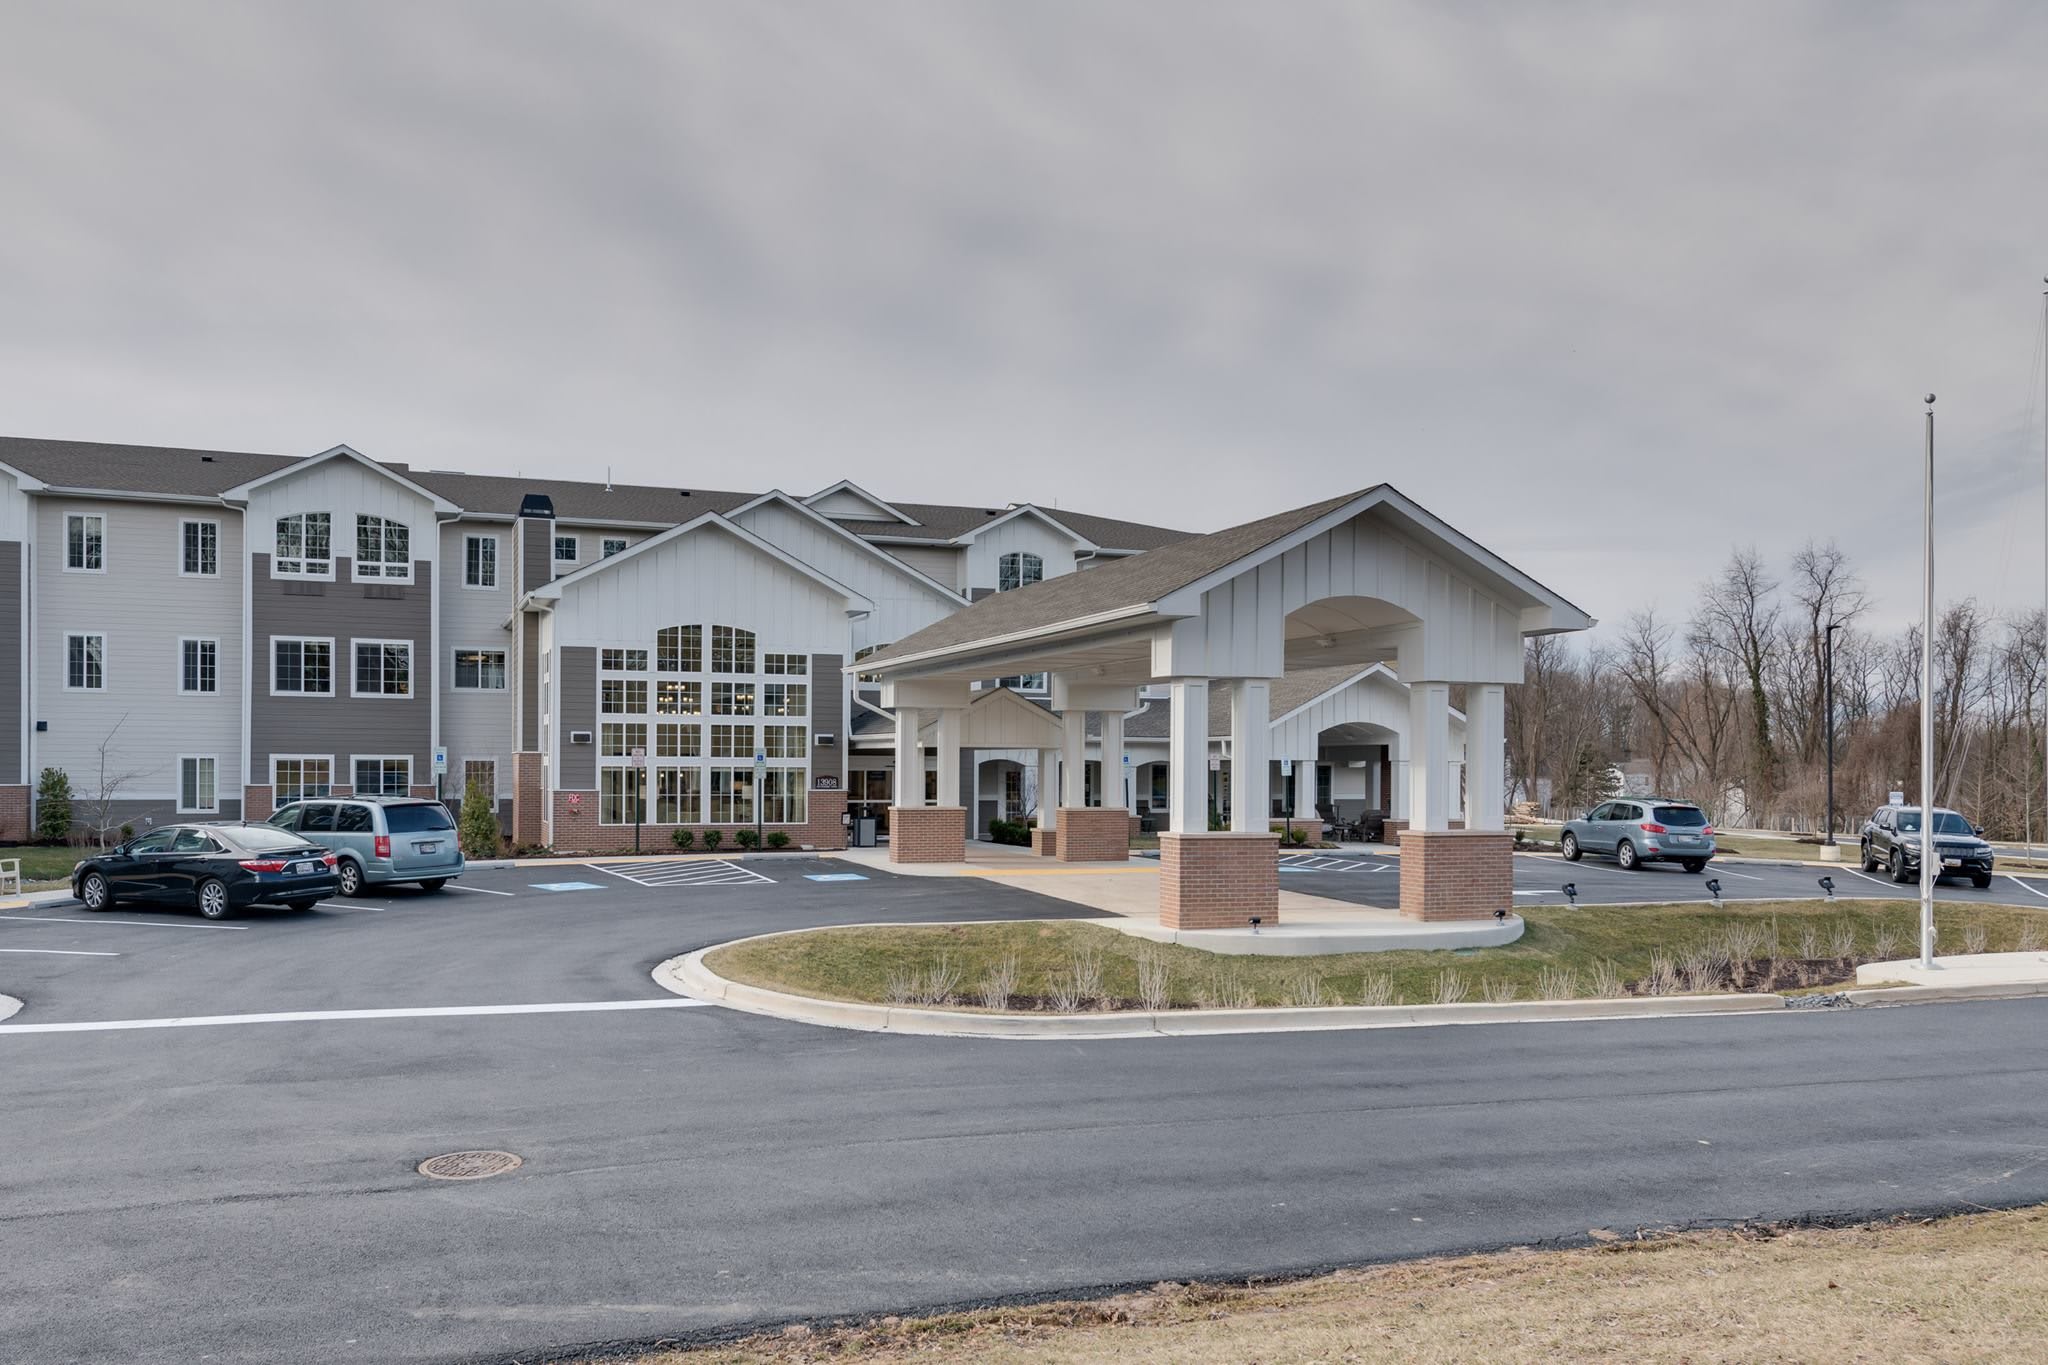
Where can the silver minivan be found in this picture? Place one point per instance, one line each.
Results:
(380, 839)
(1642, 829)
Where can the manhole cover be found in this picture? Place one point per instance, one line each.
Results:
(470, 1165)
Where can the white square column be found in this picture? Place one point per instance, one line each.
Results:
(1486, 776)
(1187, 756)
(909, 757)
(1251, 744)
(1048, 788)
(948, 736)
(1113, 774)
(1430, 779)
(1074, 759)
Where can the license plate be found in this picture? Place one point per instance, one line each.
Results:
(426, 847)
(301, 869)
(1951, 862)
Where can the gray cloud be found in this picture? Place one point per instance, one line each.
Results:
(1609, 287)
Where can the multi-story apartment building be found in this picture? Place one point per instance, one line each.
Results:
(192, 633)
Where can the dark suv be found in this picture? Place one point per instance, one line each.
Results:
(1891, 842)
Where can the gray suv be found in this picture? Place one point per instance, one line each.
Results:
(1642, 829)
(380, 839)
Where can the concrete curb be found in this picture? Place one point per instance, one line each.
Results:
(9, 1007)
(1938, 995)
(688, 975)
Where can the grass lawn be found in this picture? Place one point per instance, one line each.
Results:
(858, 963)
(1965, 1288)
(43, 866)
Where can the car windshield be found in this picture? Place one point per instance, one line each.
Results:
(417, 819)
(266, 839)
(1680, 817)
(1945, 822)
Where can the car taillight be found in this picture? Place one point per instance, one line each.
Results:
(1653, 829)
(331, 860)
(383, 846)
(264, 864)
(1706, 829)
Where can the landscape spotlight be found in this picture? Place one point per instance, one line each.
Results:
(1827, 884)
(1571, 892)
(1714, 890)
(1256, 920)
(1500, 915)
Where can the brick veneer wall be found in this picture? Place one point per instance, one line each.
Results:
(1094, 834)
(259, 803)
(1218, 881)
(527, 810)
(577, 829)
(1392, 833)
(1045, 842)
(14, 804)
(1456, 873)
(927, 834)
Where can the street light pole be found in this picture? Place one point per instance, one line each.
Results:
(1927, 863)
(1828, 718)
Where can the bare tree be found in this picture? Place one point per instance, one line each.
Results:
(111, 782)
(1738, 616)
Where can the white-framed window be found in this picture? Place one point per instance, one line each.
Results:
(1019, 569)
(621, 796)
(622, 696)
(565, 549)
(614, 545)
(679, 649)
(301, 666)
(85, 542)
(383, 668)
(382, 774)
(678, 796)
(672, 740)
(305, 546)
(732, 741)
(732, 650)
(794, 665)
(1024, 682)
(619, 738)
(85, 662)
(299, 777)
(782, 796)
(785, 699)
(479, 670)
(786, 741)
(732, 699)
(674, 698)
(198, 666)
(622, 660)
(198, 784)
(198, 548)
(383, 549)
(479, 561)
(481, 773)
(732, 796)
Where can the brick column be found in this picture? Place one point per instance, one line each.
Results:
(1094, 834)
(1218, 881)
(259, 803)
(1456, 873)
(927, 834)
(826, 827)
(14, 804)
(1045, 842)
(527, 796)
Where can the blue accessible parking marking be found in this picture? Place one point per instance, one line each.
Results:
(567, 886)
(834, 877)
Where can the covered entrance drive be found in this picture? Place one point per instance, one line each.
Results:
(1370, 577)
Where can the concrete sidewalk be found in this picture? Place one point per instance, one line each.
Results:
(1963, 970)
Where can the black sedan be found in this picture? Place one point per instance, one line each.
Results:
(216, 869)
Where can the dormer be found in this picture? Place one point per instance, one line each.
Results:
(848, 501)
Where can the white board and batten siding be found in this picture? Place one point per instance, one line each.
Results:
(16, 515)
(476, 724)
(902, 604)
(346, 489)
(1020, 534)
(144, 609)
(941, 562)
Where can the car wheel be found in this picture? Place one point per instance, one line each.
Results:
(1695, 864)
(1981, 880)
(1626, 856)
(1570, 847)
(1869, 858)
(433, 883)
(351, 877)
(95, 892)
(1898, 866)
(213, 899)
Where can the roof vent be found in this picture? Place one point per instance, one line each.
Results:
(991, 511)
(684, 491)
(206, 459)
(537, 505)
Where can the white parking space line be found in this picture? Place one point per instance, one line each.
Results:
(715, 873)
(96, 920)
(2024, 887)
(479, 890)
(321, 1016)
(1868, 878)
(58, 952)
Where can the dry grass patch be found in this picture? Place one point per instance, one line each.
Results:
(1967, 1288)
(1567, 952)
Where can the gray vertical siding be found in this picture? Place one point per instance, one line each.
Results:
(828, 714)
(11, 700)
(576, 685)
(341, 725)
(529, 680)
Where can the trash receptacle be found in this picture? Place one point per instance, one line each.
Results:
(863, 831)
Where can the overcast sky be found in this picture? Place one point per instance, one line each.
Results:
(1610, 287)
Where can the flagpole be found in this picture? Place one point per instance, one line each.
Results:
(1928, 867)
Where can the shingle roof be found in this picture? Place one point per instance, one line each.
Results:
(175, 471)
(1125, 583)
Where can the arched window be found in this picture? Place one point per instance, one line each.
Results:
(732, 650)
(1018, 569)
